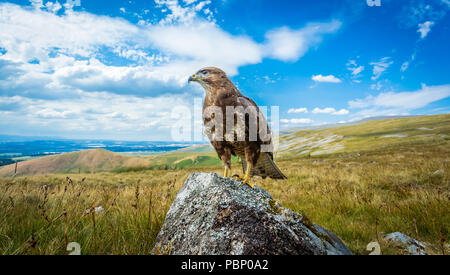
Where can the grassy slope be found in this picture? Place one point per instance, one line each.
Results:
(367, 136)
(395, 184)
(94, 160)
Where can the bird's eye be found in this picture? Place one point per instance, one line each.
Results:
(204, 72)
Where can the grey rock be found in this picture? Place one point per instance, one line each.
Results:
(414, 246)
(212, 215)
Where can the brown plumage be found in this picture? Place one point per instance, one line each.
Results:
(220, 93)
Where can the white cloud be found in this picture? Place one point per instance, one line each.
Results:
(170, 52)
(53, 7)
(392, 103)
(407, 64)
(271, 80)
(425, 28)
(102, 114)
(206, 44)
(380, 66)
(71, 53)
(422, 14)
(187, 14)
(188, 2)
(330, 110)
(355, 69)
(298, 110)
(296, 121)
(323, 111)
(341, 112)
(422, 10)
(327, 78)
(289, 45)
(381, 85)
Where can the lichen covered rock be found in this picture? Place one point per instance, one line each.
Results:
(213, 215)
(414, 246)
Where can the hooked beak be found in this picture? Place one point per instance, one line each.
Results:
(192, 78)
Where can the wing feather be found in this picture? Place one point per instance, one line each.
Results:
(265, 167)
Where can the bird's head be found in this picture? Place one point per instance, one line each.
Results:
(209, 77)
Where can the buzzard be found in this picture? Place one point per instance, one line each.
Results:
(225, 108)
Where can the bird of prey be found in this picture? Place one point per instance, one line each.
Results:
(250, 130)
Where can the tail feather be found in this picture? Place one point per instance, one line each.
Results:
(265, 167)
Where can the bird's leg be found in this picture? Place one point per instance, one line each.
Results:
(225, 172)
(246, 178)
(250, 159)
(225, 156)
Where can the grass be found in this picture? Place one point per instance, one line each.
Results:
(356, 197)
(370, 135)
(33, 218)
(402, 186)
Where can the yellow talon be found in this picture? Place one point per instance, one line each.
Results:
(246, 178)
(249, 184)
(237, 177)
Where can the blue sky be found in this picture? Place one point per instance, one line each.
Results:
(118, 69)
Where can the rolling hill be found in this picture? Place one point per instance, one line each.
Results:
(370, 135)
(86, 161)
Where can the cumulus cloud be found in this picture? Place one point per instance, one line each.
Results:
(298, 110)
(53, 54)
(329, 110)
(206, 44)
(91, 114)
(326, 78)
(156, 54)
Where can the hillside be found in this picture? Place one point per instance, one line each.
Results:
(86, 161)
(371, 135)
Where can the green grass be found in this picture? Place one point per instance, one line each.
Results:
(372, 135)
(398, 184)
